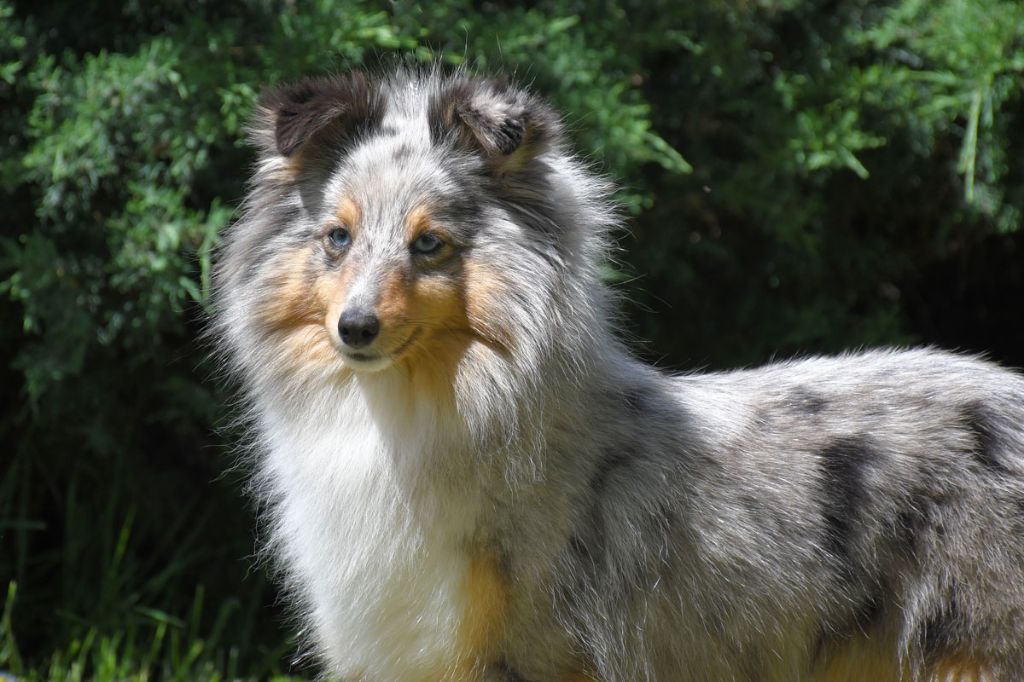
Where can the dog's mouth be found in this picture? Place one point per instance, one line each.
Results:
(365, 362)
(368, 361)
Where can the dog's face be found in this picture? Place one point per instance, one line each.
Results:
(400, 238)
(384, 273)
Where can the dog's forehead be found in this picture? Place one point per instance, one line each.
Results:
(397, 159)
(387, 178)
(397, 169)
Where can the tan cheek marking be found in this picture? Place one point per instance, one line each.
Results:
(290, 305)
(442, 336)
(299, 308)
(308, 349)
(439, 302)
(483, 306)
(393, 308)
(440, 311)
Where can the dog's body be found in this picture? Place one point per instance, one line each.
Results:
(469, 478)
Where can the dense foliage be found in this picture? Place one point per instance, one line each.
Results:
(798, 175)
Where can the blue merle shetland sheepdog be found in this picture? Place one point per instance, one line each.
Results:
(468, 477)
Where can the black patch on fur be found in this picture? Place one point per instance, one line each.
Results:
(844, 463)
(612, 459)
(504, 560)
(938, 633)
(460, 209)
(588, 541)
(311, 105)
(911, 523)
(402, 153)
(752, 504)
(581, 548)
(503, 672)
(869, 613)
(502, 135)
(807, 401)
(981, 422)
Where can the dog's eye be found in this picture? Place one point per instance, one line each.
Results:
(427, 244)
(339, 238)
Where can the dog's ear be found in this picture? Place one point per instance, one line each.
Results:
(510, 127)
(290, 115)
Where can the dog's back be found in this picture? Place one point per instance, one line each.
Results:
(469, 478)
(850, 518)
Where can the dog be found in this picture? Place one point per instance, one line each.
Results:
(465, 475)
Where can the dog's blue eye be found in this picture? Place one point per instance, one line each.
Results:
(427, 244)
(339, 237)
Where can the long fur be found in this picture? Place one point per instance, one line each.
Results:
(505, 493)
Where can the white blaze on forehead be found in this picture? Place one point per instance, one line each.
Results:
(388, 176)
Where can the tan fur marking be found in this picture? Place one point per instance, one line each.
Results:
(286, 168)
(349, 213)
(868, 659)
(393, 306)
(418, 221)
(281, 169)
(426, 323)
(859, 660)
(483, 289)
(960, 668)
(291, 305)
(297, 309)
(483, 622)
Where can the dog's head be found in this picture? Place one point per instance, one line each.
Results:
(398, 222)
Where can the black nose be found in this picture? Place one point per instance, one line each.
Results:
(358, 327)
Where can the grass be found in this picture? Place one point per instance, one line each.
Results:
(165, 648)
(129, 566)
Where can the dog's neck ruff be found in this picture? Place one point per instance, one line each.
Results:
(377, 492)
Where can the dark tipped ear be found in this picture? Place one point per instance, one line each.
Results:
(510, 127)
(298, 111)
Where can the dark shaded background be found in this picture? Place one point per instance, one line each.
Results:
(799, 176)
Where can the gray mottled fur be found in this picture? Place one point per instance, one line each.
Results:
(747, 525)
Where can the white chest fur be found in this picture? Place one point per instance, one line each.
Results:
(377, 554)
